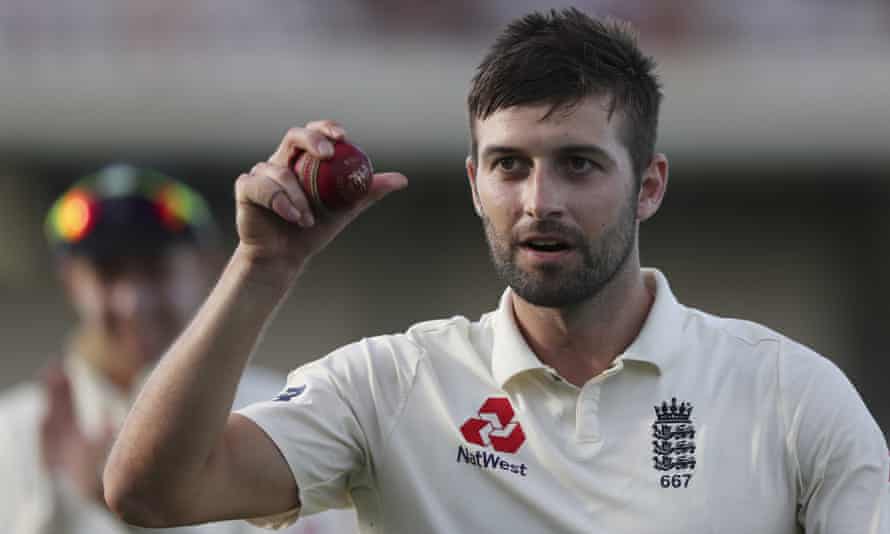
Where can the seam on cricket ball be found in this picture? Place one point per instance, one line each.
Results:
(310, 172)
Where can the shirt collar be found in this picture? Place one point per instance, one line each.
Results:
(510, 353)
(97, 401)
(659, 340)
(656, 344)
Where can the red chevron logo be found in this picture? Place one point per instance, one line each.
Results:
(494, 427)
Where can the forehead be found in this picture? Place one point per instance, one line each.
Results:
(157, 265)
(533, 127)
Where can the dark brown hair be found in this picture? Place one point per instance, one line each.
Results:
(561, 57)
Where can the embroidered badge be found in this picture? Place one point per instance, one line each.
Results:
(290, 393)
(674, 443)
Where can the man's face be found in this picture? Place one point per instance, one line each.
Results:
(137, 304)
(557, 197)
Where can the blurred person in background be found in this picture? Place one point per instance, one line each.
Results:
(136, 252)
(591, 400)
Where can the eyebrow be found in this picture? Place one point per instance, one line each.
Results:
(596, 150)
(588, 149)
(493, 150)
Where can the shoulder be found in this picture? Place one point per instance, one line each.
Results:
(747, 348)
(812, 389)
(257, 384)
(741, 344)
(21, 411)
(797, 366)
(446, 336)
(22, 404)
(405, 350)
(735, 333)
(385, 367)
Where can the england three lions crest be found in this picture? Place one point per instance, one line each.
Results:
(674, 437)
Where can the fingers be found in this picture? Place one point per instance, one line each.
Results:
(58, 390)
(270, 188)
(288, 192)
(332, 129)
(274, 186)
(315, 138)
(59, 422)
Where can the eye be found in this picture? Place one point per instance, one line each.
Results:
(507, 164)
(580, 165)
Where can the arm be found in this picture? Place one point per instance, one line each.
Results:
(181, 458)
(840, 451)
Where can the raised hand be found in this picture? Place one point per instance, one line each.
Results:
(67, 451)
(274, 218)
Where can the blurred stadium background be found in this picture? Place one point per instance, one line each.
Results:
(776, 121)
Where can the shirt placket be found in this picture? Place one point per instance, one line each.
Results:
(587, 415)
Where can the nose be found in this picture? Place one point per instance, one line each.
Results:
(544, 197)
(134, 298)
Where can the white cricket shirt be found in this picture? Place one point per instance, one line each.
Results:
(703, 425)
(34, 502)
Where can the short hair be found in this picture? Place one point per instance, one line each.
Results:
(561, 57)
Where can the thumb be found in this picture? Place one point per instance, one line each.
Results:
(382, 185)
(385, 183)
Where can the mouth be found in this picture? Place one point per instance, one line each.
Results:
(546, 247)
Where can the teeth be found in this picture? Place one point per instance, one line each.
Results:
(545, 243)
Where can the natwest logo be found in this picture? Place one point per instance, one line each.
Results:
(494, 427)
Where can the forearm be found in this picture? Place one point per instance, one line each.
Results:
(178, 419)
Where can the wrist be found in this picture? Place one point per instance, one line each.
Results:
(265, 275)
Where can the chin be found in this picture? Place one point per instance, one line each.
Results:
(550, 298)
(145, 352)
(549, 293)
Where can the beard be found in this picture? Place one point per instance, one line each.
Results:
(554, 285)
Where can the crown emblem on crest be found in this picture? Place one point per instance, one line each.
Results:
(673, 412)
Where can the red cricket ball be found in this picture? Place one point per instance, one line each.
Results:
(338, 182)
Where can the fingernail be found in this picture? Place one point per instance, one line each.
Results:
(340, 132)
(308, 221)
(293, 214)
(325, 148)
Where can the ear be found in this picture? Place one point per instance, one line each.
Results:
(471, 176)
(652, 187)
(68, 272)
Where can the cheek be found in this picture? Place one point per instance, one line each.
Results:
(499, 203)
(184, 292)
(184, 298)
(186, 283)
(604, 206)
(90, 302)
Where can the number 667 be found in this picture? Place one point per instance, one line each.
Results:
(676, 481)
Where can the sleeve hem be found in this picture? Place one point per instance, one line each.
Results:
(283, 519)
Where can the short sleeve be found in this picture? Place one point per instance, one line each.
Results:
(840, 452)
(331, 418)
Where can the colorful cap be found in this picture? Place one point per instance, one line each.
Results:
(124, 210)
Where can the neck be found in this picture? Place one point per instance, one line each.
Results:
(100, 354)
(583, 340)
